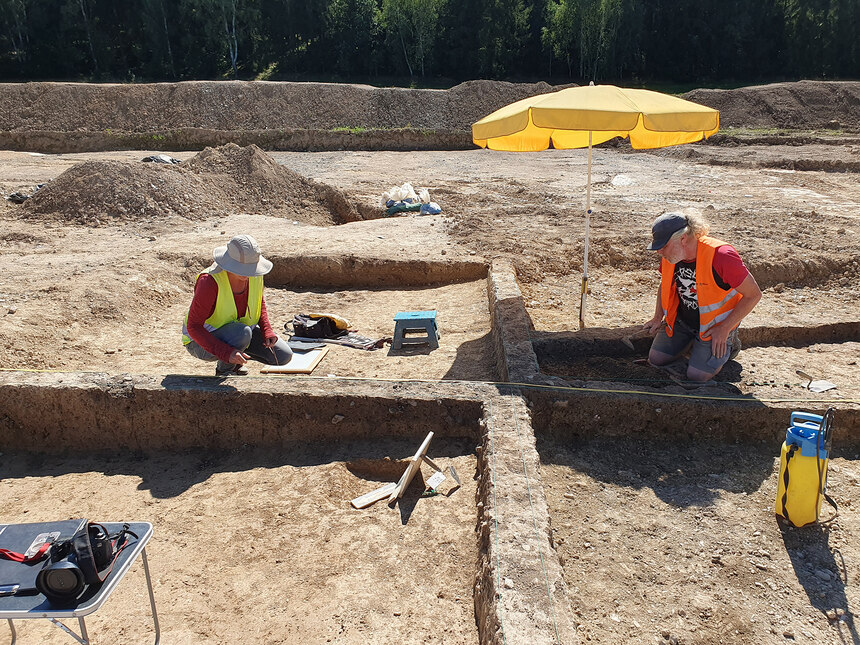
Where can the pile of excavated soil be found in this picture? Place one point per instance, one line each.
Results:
(78, 117)
(252, 180)
(800, 105)
(215, 182)
(249, 105)
(260, 105)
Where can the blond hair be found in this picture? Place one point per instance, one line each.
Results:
(697, 225)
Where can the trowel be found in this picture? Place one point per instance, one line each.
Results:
(816, 386)
(629, 338)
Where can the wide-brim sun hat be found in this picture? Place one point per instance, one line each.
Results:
(242, 257)
(664, 228)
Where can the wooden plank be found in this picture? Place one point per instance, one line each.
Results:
(411, 469)
(431, 463)
(367, 499)
(300, 363)
(404, 482)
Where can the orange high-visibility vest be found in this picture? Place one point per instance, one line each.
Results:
(715, 303)
(225, 305)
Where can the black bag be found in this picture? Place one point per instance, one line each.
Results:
(85, 560)
(306, 327)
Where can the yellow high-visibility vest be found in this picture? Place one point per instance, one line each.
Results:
(225, 306)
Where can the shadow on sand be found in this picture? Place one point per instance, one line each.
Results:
(821, 571)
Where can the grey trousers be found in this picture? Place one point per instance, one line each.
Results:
(248, 340)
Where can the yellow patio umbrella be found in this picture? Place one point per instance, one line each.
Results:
(585, 116)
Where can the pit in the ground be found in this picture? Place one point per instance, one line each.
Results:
(263, 546)
(679, 540)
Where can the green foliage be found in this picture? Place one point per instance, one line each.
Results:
(13, 17)
(410, 28)
(267, 73)
(503, 32)
(559, 36)
(294, 33)
(353, 34)
(431, 42)
(349, 130)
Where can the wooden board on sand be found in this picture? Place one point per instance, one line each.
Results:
(367, 499)
(392, 491)
(300, 363)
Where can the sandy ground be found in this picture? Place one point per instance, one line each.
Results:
(111, 298)
(678, 543)
(260, 547)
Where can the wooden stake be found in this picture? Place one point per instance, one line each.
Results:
(430, 463)
(411, 470)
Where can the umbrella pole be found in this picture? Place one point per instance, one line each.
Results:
(587, 226)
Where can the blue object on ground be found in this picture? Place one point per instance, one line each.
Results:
(412, 322)
(803, 431)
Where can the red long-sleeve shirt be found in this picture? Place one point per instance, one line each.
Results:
(203, 306)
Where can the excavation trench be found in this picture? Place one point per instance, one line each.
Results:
(352, 272)
(275, 462)
(572, 346)
(806, 272)
(283, 457)
(299, 449)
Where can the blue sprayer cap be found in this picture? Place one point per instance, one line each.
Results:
(804, 431)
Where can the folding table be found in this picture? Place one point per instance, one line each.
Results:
(23, 607)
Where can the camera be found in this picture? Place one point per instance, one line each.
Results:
(78, 562)
(101, 545)
(61, 582)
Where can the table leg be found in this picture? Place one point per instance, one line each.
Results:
(14, 634)
(83, 639)
(151, 597)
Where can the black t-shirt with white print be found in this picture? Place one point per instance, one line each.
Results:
(685, 280)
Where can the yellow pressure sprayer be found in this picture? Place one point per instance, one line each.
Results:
(803, 468)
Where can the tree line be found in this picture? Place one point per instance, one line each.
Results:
(625, 41)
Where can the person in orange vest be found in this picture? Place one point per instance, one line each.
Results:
(705, 292)
(214, 329)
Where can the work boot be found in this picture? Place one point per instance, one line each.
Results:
(230, 369)
(736, 347)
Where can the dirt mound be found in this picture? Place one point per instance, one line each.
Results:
(77, 117)
(97, 192)
(261, 105)
(215, 182)
(248, 105)
(801, 105)
(251, 181)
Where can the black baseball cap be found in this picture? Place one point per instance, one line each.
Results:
(665, 227)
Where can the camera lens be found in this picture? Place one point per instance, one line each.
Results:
(61, 580)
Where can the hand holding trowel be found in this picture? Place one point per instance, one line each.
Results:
(629, 338)
(644, 332)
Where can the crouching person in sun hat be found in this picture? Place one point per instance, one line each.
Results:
(705, 292)
(227, 320)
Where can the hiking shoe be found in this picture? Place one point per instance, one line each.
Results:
(736, 348)
(230, 369)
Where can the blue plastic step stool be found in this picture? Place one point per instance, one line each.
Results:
(415, 321)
